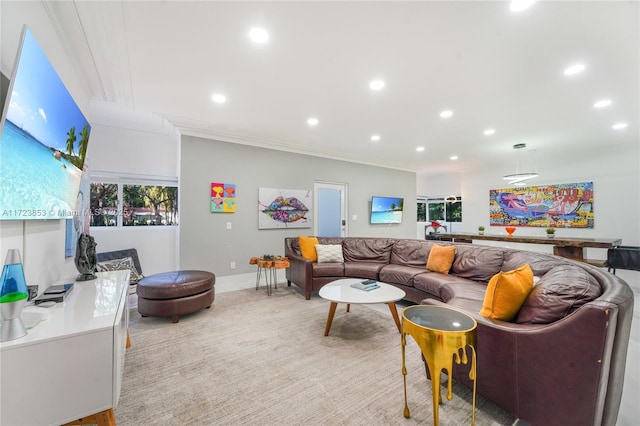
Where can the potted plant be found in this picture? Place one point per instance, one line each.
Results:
(480, 230)
(551, 232)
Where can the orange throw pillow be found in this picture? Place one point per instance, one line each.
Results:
(506, 293)
(441, 258)
(308, 247)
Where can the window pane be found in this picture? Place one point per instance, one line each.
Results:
(104, 204)
(454, 211)
(145, 205)
(422, 211)
(436, 211)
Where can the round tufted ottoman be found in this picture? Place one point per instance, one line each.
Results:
(171, 294)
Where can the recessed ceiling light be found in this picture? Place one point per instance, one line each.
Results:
(446, 113)
(375, 138)
(420, 148)
(219, 98)
(619, 126)
(312, 121)
(489, 132)
(376, 84)
(259, 35)
(603, 103)
(453, 157)
(520, 5)
(574, 69)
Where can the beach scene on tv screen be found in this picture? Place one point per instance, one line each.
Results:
(44, 142)
(386, 210)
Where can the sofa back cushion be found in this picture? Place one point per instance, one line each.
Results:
(560, 291)
(478, 263)
(540, 263)
(374, 250)
(410, 253)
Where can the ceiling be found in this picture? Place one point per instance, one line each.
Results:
(492, 67)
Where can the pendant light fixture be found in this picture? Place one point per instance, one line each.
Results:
(523, 170)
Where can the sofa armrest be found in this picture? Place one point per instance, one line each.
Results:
(300, 271)
(555, 373)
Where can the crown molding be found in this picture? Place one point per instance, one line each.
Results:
(204, 130)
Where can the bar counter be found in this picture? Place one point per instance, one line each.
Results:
(571, 248)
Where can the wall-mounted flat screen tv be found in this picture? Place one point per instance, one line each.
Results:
(43, 142)
(386, 209)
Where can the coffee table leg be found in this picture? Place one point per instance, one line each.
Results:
(332, 311)
(394, 312)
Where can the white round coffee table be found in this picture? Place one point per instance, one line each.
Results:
(340, 291)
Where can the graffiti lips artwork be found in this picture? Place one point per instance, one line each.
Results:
(284, 208)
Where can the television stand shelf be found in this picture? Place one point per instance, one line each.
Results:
(69, 366)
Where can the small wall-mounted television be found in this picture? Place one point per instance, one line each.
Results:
(386, 210)
(43, 140)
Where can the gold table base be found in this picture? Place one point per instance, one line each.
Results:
(440, 344)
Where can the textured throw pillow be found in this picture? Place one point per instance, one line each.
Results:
(441, 258)
(308, 247)
(121, 264)
(329, 253)
(506, 292)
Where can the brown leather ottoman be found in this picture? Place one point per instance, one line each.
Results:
(171, 294)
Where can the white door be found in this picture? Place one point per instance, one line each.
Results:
(330, 209)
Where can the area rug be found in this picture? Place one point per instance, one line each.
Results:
(254, 359)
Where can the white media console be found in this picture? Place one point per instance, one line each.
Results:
(70, 365)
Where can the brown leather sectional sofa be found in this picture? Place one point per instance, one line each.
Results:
(562, 360)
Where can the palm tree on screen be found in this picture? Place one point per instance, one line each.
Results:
(71, 140)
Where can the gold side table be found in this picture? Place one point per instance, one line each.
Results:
(442, 335)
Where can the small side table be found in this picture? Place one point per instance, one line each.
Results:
(442, 335)
(269, 267)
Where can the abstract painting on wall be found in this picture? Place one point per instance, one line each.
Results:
(567, 205)
(284, 208)
(223, 197)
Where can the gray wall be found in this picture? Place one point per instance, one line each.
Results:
(205, 241)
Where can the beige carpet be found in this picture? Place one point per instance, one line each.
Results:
(258, 360)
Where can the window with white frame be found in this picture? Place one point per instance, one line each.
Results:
(133, 201)
(443, 209)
